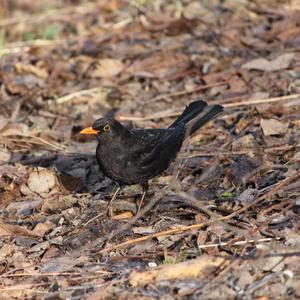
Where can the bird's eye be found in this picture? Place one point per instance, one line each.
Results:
(106, 128)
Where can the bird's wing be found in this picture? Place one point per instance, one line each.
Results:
(143, 141)
(151, 151)
(166, 146)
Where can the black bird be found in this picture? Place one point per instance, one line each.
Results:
(137, 155)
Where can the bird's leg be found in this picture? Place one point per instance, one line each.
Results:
(145, 189)
(110, 208)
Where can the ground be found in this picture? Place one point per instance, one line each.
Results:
(222, 222)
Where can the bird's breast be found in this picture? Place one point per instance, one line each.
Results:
(112, 160)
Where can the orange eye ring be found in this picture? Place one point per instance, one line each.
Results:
(106, 128)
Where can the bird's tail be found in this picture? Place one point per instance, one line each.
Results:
(196, 115)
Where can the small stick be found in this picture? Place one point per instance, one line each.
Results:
(170, 114)
(71, 96)
(276, 188)
(262, 101)
(238, 243)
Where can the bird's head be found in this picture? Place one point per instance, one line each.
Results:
(105, 129)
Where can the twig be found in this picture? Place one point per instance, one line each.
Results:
(205, 154)
(33, 140)
(81, 93)
(170, 113)
(276, 188)
(94, 218)
(262, 101)
(141, 213)
(238, 243)
(27, 45)
(54, 274)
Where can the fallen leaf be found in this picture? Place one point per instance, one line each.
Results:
(60, 264)
(143, 230)
(24, 207)
(12, 230)
(107, 68)
(40, 181)
(272, 127)
(123, 215)
(23, 68)
(57, 203)
(273, 264)
(245, 142)
(6, 250)
(247, 195)
(42, 228)
(280, 63)
(194, 268)
(245, 279)
(4, 156)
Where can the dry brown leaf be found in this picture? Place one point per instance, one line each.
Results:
(123, 215)
(280, 63)
(194, 268)
(272, 127)
(107, 68)
(245, 142)
(42, 228)
(57, 203)
(6, 250)
(61, 264)
(12, 230)
(144, 230)
(40, 181)
(4, 156)
(23, 68)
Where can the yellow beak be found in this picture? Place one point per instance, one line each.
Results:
(89, 130)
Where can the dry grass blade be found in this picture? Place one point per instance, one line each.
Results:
(93, 92)
(28, 142)
(27, 46)
(262, 101)
(239, 243)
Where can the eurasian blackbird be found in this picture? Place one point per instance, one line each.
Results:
(137, 155)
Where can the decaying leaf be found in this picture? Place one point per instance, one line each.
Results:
(272, 127)
(280, 63)
(40, 181)
(42, 228)
(231, 196)
(13, 230)
(27, 68)
(194, 268)
(107, 68)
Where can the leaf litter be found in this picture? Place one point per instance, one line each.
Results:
(222, 222)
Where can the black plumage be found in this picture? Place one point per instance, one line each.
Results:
(137, 155)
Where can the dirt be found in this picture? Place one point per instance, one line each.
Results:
(222, 222)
